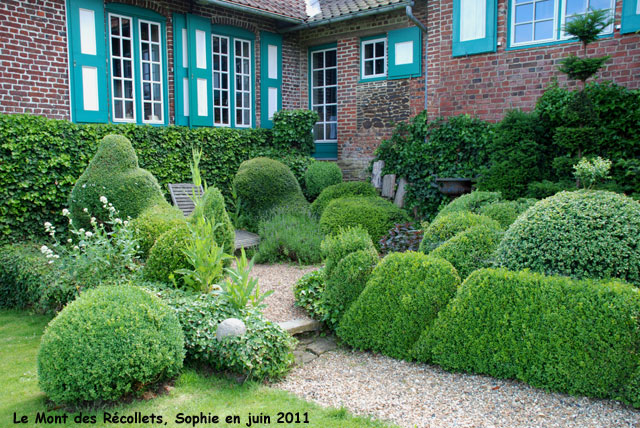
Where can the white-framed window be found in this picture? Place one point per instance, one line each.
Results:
(221, 90)
(542, 21)
(122, 71)
(243, 82)
(373, 54)
(152, 96)
(324, 94)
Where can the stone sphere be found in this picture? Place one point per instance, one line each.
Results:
(230, 327)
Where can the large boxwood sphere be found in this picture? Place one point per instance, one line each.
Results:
(110, 342)
(590, 234)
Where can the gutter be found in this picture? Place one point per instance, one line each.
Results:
(252, 10)
(411, 16)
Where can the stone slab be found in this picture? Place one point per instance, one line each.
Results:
(321, 346)
(401, 191)
(376, 174)
(300, 326)
(388, 185)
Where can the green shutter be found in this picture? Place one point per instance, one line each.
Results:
(630, 16)
(270, 84)
(200, 100)
(88, 67)
(405, 53)
(181, 69)
(476, 46)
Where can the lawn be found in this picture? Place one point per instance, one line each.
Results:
(194, 392)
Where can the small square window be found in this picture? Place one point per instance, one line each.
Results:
(374, 58)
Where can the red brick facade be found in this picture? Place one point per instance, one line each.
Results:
(34, 68)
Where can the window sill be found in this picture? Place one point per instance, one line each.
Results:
(552, 43)
(372, 79)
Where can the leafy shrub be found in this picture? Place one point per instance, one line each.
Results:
(37, 152)
(113, 173)
(319, 176)
(290, 236)
(345, 241)
(212, 208)
(263, 352)
(153, 222)
(375, 214)
(308, 293)
(421, 150)
(445, 227)
(544, 189)
(506, 212)
(401, 300)
(336, 191)
(581, 234)
(470, 202)
(239, 288)
(167, 256)
(263, 185)
(23, 272)
(590, 171)
(346, 283)
(292, 128)
(471, 249)
(111, 342)
(403, 237)
(578, 337)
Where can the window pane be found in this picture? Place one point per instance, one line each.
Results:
(368, 68)
(147, 111)
(146, 91)
(156, 92)
(331, 76)
(117, 109)
(330, 58)
(156, 72)
(126, 71)
(380, 49)
(155, 50)
(126, 28)
(318, 96)
(318, 78)
(544, 9)
(128, 109)
(128, 89)
(318, 131)
(146, 71)
(599, 4)
(247, 117)
(331, 95)
(238, 116)
(144, 31)
(332, 113)
(524, 13)
(320, 111)
(380, 66)
(331, 131)
(115, 26)
(544, 30)
(157, 111)
(318, 60)
(575, 6)
(117, 88)
(144, 48)
(155, 33)
(523, 33)
(368, 50)
(117, 68)
(115, 48)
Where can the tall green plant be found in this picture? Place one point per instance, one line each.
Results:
(240, 288)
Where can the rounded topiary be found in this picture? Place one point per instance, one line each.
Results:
(263, 184)
(471, 202)
(506, 212)
(167, 256)
(113, 173)
(110, 342)
(583, 234)
(445, 227)
(402, 298)
(350, 188)
(336, 247)
(212, 207)
(346, 283)
(319, 176)
(153, 222)
(471, 249)
(376, 215)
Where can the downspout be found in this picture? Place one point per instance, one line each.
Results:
(423, 27)
(252, 10)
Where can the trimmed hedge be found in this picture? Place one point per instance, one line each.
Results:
(578, 337)
(153, 222)
(470, 202)
(402, 299)
(346, 283)
(110, 342)
(506, 212)
(24, 270)
(583, 234)
(346, 241)
(349, 188)
(212, 207)
(319, 176)
(41, 159)
(447, 226)
(374, 214)
(167, 256)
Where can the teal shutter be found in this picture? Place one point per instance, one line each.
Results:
(181, 69)
(479, 45)
(200, 89)
(630, 16)
(405, 53)
(270, 77)
(88, 65)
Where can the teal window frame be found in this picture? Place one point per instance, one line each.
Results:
(266, 39)
(630, 17)
(473, 47)
(363, 41)
(137, 14)
(324, 150)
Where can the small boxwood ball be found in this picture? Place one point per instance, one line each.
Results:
(473, 202)
(153, 222)
(110, 342)
(582, 234)
(113, 173)
(167, 256)
(319, 176)
(445, 227)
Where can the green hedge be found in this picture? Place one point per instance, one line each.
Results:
(346, 241)
(24, 271)
(506, 212)
(41, 159)
(578, 337)
(341, 190)
(445, 227)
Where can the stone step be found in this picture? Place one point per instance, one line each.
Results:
(294, 327)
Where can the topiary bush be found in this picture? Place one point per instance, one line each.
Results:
(308, 293)
(402, 298)
(583, 234)
(212, 207)
(263, 184)
(23, 272)
(346, 283)
(319, 176)
(374, 214)
(114, 173)
(577, 337)
(110, 342)
(338, 246)
(166, 256)
(506, 212)
(153, 222)
(349, 188)
(447, 226)
(470, 249)
(471, 202)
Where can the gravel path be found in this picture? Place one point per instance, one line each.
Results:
(411, 394)
(281, 278)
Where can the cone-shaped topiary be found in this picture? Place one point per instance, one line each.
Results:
(212, 207)
(113, 173)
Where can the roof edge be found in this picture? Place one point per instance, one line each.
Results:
(253, 10)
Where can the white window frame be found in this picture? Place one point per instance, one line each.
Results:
(608, 30)
(324, 122)
(533, 42)
(225, 74)
(363, 59)
(133, 74)
(243, 90)
(161, 120)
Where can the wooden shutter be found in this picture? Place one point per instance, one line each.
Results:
(405, 53)
(474, 26)
(270, 77)
(199, 56)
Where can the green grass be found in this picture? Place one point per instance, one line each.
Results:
(194, 392)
